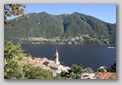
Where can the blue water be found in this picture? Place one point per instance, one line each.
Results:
(88, 56)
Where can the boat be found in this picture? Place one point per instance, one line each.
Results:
(111, 47)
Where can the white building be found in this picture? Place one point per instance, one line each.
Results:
(89, 76)
(103, 68)
(56, 57)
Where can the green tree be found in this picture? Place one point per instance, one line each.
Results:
(63, 75)
(112, 68)
(13, 62)
(32, 72)
(74, 73)
(100, 70)
(58, 76)
(13, 53)
(76, 68)
(16, 68)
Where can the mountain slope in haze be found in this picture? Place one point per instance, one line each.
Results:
(65, 25)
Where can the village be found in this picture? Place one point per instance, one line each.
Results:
(55, 67)
(77, 40)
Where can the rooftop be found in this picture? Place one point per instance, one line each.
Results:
(107, 75)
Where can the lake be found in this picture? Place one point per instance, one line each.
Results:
(88, 56)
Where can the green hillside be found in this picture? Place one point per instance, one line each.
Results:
(66, 25)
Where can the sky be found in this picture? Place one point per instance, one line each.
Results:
(104, 12)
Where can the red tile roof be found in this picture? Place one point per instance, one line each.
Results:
(106, 75)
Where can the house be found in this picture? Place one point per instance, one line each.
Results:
(54, 66)
(38, 60)
(89, 76)
(107, 75)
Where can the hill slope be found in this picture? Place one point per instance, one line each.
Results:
(65, 25)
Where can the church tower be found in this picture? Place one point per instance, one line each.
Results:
(56, 57)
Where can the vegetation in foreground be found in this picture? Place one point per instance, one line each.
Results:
(16, 68)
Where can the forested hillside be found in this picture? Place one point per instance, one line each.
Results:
(66, 25)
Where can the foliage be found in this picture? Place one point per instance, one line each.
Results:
(50, 26)
(13, 54)
(13, 63)
(13, 10)
(91, 42)
(58, 76)
(64, 75)
(100, 70)
(13, 69)
(74, 73)
(16, 68)
(112, 68)
(32, 72)
(12, 51)
(76, 68)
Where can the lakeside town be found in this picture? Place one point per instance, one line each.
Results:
(77, 40)
(56, 68)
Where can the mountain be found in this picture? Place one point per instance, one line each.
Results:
(65, 25)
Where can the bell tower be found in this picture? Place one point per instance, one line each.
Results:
(56, 57)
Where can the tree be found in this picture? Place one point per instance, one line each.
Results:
(13, 10)
(32, 72)
(16, 68)
(13, 53)
(63, 75)
(74, 73)
(100, 70)
(58, 76)
(112, 68)
(13, 60)
(76, 68)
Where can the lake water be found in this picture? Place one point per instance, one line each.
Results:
(88, 56)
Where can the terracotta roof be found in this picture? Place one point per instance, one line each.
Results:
(35, 60)
(106, 75)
